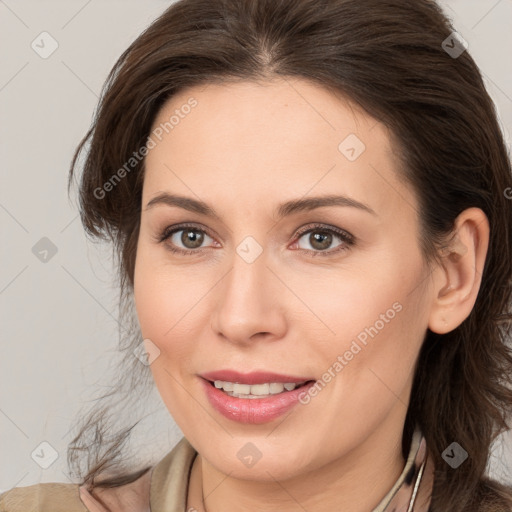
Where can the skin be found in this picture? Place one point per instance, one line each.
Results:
(244, 149)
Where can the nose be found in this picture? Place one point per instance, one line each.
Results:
(250, 303)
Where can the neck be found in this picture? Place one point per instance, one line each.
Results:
(358, 482)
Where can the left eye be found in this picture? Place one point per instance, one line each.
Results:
(320, 238)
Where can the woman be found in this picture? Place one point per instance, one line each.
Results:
(311, 205)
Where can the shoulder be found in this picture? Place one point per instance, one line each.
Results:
(163, 482)
(133, 496)
(45, 497)
(61, 497)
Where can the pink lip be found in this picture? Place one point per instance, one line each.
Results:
(253, 410)
(259, 377)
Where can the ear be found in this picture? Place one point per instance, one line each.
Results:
(457, 280)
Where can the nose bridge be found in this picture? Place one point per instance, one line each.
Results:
(247, 301)
(249, 271)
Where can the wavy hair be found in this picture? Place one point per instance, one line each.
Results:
(388, 57)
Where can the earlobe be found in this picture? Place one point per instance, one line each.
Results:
(457, 280)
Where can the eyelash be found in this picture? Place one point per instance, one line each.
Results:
(347, 239)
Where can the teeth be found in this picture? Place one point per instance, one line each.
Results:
(241, 389)
(255, 390)
(276, 387)
(260, 389)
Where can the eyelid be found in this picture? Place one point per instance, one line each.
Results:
(326, 227)
(170, 230)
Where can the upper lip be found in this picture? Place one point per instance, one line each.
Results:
(257, 377)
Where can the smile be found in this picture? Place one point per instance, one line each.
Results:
(257, 397)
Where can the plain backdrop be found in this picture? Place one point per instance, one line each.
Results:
(58, 316)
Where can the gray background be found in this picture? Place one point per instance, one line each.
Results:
(58, 317)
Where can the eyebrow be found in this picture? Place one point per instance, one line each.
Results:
(285, 209)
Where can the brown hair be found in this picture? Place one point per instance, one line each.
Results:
(387, 56)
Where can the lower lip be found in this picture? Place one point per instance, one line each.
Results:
(253, 410)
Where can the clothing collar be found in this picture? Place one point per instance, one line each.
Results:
(412, 491)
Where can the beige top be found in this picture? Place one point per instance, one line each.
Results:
(165, 488)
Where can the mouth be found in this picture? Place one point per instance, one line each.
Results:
(257, 397)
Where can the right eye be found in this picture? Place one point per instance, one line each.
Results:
(190, 236)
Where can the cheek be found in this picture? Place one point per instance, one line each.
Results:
(164, 305)
(373, 326)
(358, 304)
(165, 296)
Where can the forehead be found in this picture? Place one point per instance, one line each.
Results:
(283, 137)
(280, 112)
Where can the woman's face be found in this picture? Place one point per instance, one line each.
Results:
(276, 282)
